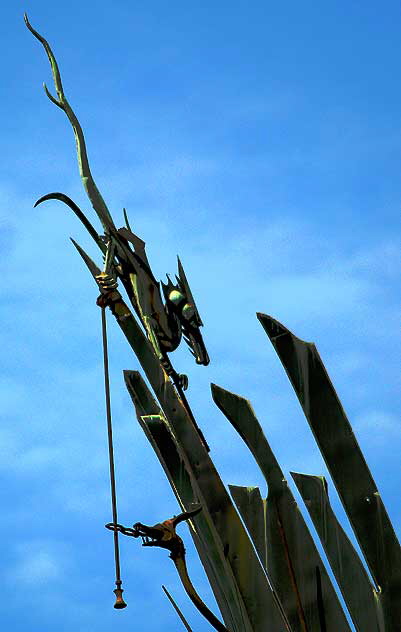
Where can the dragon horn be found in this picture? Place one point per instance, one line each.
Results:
(93, 268)
(186, 515)
(126, 220)
(183, 281)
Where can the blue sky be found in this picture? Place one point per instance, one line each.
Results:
(262, 143)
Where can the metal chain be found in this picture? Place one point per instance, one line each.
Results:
(124, 530)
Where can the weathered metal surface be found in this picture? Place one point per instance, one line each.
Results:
(293, 562)
(228, 532)
(362, 601)
(345, 462)
(252, 508)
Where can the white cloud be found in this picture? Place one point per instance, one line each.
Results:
(38, 562)
(349, 363)
(383, 259)
(379, 425)
(327, 294)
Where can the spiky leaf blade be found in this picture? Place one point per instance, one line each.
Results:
(294, 565)
(345, 462)
(363, 602)
(261, 607)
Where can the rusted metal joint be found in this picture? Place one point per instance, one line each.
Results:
(162, 534)
(108, 299)
(108, 290)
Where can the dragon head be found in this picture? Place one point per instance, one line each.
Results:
(180, 302)
(163, 534)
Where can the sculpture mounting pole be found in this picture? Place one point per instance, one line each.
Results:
(120, 603)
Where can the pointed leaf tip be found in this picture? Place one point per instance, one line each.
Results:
(221, 395)
(271, 326)
(274, 329)
(305, 482)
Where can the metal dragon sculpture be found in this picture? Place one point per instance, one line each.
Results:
(125, 260)
(165, 322)
(270, 576)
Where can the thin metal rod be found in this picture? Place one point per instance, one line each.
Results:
(110, 443)
(176, 608)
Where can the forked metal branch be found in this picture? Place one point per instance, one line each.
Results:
(93, 192)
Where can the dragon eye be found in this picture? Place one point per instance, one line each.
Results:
(176, 297)
(188, 311)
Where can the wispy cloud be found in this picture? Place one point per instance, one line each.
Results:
(380, 426)
(39, 562)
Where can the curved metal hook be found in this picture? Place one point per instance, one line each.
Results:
(81, 216)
